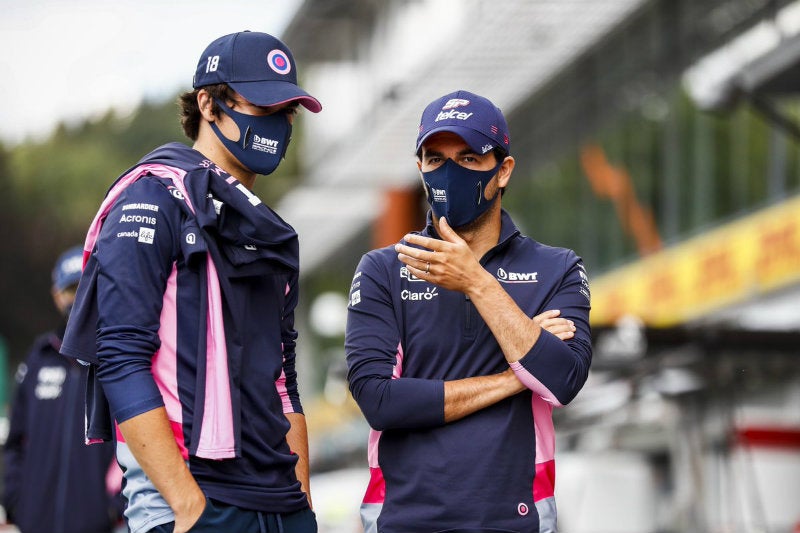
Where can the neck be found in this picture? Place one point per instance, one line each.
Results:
(215, 151)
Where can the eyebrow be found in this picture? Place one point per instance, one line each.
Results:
(436, 153)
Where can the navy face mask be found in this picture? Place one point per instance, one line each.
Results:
(457, 193)
(263, 139)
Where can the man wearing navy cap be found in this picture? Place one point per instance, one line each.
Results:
(52, 481)
(460, 340)
(185, 310)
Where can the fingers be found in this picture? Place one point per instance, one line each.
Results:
(428, 244)
(560, 327)
(420, 262)
(414, 254)
(446, 232)
(551, 313)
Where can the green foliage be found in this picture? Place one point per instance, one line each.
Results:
(64, 177)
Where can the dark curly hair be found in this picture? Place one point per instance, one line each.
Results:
(190, 111)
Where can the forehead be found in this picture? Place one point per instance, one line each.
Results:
(444, 141)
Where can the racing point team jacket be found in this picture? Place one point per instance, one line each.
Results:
(493, 470)
(188, 297)
(53, 482)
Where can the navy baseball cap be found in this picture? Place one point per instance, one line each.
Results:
(474, 118)
(256, 65)
(69, 266)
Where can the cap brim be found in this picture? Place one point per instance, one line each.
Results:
(476, 140)
(268, 93)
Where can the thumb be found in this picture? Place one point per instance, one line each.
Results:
(446, 232)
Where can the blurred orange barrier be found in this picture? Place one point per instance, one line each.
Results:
(615, 183)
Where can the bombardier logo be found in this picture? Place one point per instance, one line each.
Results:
(516, 277)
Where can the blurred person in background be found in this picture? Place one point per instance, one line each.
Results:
(185, 311)
(54, 483)
(460, 340)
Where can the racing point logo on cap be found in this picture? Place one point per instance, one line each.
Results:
(449, 110)
(279, 62)
(454, 103)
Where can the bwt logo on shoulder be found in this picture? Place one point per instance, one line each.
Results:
(517, 277)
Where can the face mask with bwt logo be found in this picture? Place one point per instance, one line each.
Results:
(457, 193)
(263, 139)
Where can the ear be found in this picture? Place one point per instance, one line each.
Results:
(206, 103)
(504, 174)
(58, 299)
(421, 177)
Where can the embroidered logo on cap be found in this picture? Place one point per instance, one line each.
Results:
(454, 103)
(279, 62)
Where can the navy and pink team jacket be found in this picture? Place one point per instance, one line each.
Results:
(53, 482)
(494, 469)
(151, 279)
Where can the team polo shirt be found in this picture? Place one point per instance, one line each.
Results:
(493, 469)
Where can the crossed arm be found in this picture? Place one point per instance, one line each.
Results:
(454, 268)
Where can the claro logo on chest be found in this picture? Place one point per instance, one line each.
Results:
(517, 277)
(429, 294)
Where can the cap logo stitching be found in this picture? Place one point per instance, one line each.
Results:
(452, 114)
(454, 103)
(279, 62)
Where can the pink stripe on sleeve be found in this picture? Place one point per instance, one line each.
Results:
(530, 381)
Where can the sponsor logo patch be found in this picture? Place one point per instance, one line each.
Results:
(355, 297)
(49, 382)
(262, 144)
(140, 207)
(584, 282)
(138, 219)
(516, 277)
(439, 195)
(146, 235)
(454, 103)
(457, 115)
(252, 198)
(406, 274)
(429, 294)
